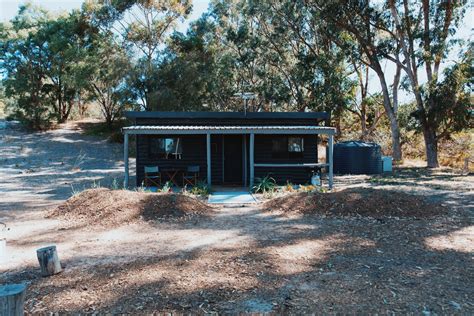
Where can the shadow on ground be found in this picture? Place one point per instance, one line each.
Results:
(304, 264)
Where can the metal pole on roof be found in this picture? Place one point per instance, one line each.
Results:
(125, 160)
(246, 96)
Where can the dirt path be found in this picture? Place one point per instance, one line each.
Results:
(39, 170)
(238, 259)
(243, 260)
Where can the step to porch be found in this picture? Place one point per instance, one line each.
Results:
(242, 197)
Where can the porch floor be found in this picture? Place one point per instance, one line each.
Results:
(231, 197)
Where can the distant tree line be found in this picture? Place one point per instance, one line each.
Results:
(303, 55)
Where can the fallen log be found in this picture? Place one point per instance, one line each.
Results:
(49, 261)
(12, 299)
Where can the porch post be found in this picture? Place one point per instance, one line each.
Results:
(330, 162)
(208, 151)
(244, 145)
(125, 159)
(251, 158)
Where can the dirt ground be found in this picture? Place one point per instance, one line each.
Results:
(236, 258)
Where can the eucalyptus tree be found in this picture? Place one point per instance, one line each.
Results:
(314, 67)
(237, 31)
(21, 59)
(107, 71)
(196, 73)
(143, 24)
(40, 56)
(65, 43)
(281, 54)
(366, 106)
(425, 32)
(360, 27)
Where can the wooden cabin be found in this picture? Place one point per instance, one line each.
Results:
(230, 148)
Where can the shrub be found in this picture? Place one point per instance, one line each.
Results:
(264, 185)
(167, 187)
(201, 188)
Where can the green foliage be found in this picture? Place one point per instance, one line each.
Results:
(167, 187)
(293, 55)
(201, 188)
(143, 25)
(452, 97)
(264, 185)
(107, 72)
(40, 57)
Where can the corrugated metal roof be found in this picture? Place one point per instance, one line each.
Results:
(228, 115)
(235, 129)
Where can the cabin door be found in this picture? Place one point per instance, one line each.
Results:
(233, 159)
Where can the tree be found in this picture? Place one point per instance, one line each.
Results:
(41, 56)
(359, 28)
(366, 107)
(106, 74)
(22, 59)
(144, 24)
(279, 53)
(190, 76)
(423, 33)
(64, 47)
(452, 95)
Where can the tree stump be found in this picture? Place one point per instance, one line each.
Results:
(12, 299)
(49, 261)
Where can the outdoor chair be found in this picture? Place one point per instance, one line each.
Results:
(191, 175)
(152, 176)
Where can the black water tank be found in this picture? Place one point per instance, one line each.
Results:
(356, 157)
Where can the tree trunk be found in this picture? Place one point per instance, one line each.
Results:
(338, 127)
(395, 133)
(394, 128)
(49, 261)
(431, 146)
(12, 298)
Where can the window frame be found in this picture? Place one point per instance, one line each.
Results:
(161, 151)
(301, 144)
(284, 151)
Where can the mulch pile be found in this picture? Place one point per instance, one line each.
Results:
(355, 202)
(110, 208)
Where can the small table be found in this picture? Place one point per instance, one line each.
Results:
(171, 173)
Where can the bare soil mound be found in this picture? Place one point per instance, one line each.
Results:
(356, 202)
(109, 208)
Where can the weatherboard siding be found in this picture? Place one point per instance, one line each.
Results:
(194, 153)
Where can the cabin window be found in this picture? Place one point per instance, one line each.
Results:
(287, 147)
(166, 148)
(295, 147)
(295, 144)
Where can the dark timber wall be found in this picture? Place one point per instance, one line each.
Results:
(194, 147)
(194, 153)
(263, 154)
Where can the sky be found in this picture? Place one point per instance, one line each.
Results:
(9, 8)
